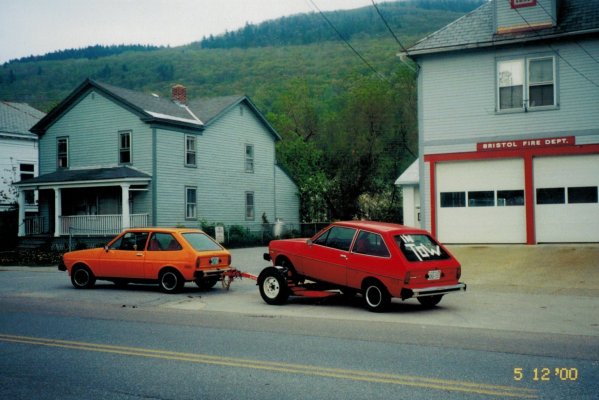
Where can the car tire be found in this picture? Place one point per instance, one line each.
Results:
(206, 283)
(290, 270)
(430, 301)
(376, 296)
(170, 281)
(272, 284)
(82, 277)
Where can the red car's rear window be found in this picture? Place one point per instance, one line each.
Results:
(418, 247)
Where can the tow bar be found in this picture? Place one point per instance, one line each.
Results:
(311, 289)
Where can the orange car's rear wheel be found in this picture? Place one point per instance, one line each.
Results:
(170, 281)
(206, 283)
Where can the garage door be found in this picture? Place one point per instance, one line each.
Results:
(566, 206)
(481, 201)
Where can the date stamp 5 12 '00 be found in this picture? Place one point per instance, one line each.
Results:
(544, 374)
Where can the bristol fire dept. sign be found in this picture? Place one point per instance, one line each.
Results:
(524, 144)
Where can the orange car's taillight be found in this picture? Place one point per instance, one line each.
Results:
(198, 262)
(229, 259)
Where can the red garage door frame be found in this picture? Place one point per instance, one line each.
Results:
(527, 154)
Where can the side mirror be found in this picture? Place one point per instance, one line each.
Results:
(309, 242)
(106, 248)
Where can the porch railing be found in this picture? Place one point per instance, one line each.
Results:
(85, 225)
(35, 225)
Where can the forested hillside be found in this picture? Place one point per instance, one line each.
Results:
(349, 128)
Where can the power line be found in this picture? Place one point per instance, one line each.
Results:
(381, 76)
(577, 43)
(388, 27)
(556, 52)
(393, 34)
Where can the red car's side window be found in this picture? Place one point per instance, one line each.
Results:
(371, 244)
(337, 237)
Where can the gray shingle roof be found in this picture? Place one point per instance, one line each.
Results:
(148, 102)
(150, 108)
(206, 109)
(476, 29)
(82, 175)
(18, 118)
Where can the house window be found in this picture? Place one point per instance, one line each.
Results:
(249, 158)
(511, 82)
(249, 206)
(62, 152)
(453, 199)
(523, 3)
(540, 82)
(27, 171)
(125, 147)
(190, 151)
(526, 84)
(190, 202)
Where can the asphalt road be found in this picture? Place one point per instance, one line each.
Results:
(58, 342)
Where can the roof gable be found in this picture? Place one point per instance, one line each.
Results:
(149, 108)
(209, 110)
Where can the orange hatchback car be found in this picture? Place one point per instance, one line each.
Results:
(167, 256)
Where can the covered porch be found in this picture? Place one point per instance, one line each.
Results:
(98, 202)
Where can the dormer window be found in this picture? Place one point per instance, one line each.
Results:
(523, 3)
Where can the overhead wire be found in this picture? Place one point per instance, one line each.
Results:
(556, 52)
(380, 75)
(577, 43)
(392, 33)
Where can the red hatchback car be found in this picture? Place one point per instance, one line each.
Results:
(378, 260)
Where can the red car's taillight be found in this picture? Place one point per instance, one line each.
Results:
(458, 273)
(406, 279)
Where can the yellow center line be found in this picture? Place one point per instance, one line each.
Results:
(310, 370)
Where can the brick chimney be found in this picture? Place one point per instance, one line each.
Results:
(179, 94)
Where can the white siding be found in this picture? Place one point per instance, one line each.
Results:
(14, 151)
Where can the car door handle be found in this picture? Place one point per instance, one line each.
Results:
(140, 254)
(343, 256)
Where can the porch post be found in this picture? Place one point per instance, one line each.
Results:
(125, 206)
(57, 211)
(21, 201)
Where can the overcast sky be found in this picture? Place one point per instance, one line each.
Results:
(36, 27)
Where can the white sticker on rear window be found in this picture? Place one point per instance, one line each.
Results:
(420, 248)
